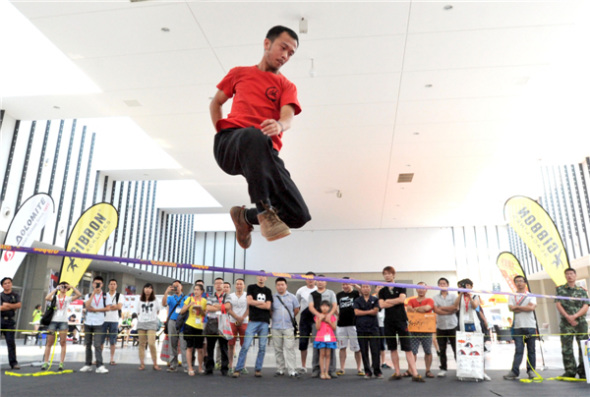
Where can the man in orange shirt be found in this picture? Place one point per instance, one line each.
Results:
(248, 139)
(422, 304)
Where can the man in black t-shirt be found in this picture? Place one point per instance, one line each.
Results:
(9, 304)
(346, 330)
(260, 303)
(396, 323)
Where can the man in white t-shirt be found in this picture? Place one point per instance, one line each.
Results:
(524, 328)
(95, 310)
(306, 318)
(110, 327)
(238, 317)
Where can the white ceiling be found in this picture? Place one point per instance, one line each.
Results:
(367, 114)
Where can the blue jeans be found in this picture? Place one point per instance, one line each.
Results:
(522, 336)
(254, 327)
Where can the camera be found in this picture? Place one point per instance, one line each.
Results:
(463, 285)
(97, 285)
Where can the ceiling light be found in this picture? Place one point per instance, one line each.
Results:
(56, 107)
(416, 133)
(448, 7)
(428, 86)
(165, 29)
(303, 25)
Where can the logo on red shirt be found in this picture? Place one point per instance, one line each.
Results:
(272, 93)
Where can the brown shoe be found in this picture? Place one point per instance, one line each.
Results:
(271, 226)
(243, 229)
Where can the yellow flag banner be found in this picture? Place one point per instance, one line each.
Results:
(509, 267)
(88, 236)
(421, 322)
(538, 231)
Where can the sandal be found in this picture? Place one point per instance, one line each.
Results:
(157, 368)
(418, 379)
(407, 374)
(429, 374)
(141, 367)
(113, 363)
(191, 373)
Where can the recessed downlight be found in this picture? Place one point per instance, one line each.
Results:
(448, 7)
(165, 29)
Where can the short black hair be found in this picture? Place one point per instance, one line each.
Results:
(238, 279)
(177, 281)
(276, 31)
(218, 278)
(310, 274)
(570, 269)
(281, 279)
(99, 278)
(199, 281)
(518, 276)
(443, 279)
(4, 279)
(227, 282)
(111, 280)
(346, 278)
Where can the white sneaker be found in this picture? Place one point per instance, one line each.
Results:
(102, 370)
(486, 377)
(442, 373)
(86, 368)
(301, 370)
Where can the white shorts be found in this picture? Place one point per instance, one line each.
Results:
(347, 338)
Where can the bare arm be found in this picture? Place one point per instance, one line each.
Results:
(215, 107)
(272, 127)
(424, 309)
(373, 312)
(50, 295)
(78, 294)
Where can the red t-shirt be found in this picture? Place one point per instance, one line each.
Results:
(426, 301)
(257, 96)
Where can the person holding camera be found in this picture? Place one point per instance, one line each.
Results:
(9, 304)
(174, 299)
(59, 321)
(193, 328)
(95, 311)
(467, 305)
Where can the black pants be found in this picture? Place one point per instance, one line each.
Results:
(446, 336)
(370, 340)
(305, 329)
(248, 152)
(210, 363)
(7, 325)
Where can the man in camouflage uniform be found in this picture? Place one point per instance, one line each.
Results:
(573, 322)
